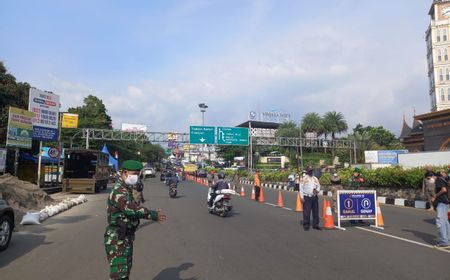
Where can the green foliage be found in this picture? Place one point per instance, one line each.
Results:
(288, 129)
(389, 177)
(312, 122)
(274, 176)
(11, 94)
(334, 122)
(382, 138)
(325, 179)
(228, 153)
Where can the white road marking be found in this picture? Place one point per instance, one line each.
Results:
(270, 204)
(287, 208)
(400, 238)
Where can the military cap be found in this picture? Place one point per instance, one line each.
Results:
(132, 165)
(357, 170)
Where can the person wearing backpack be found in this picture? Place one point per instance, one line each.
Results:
(441, 204)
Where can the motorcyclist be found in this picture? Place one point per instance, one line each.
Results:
(221, 184)
(171, 178)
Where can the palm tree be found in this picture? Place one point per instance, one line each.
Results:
(312, 122)
(334, 122)
(363, 141)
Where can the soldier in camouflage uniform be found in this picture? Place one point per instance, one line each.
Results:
(123, 218)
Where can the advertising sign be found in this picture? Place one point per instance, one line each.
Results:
(273, 116)
(45, 106)
(69, 120)
(232, 136)
(383, 156)
(356, 205)
(20, 128)
(2, 160)
(130, 127)
(202, 134)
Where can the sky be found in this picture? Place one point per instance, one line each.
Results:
(153, 62)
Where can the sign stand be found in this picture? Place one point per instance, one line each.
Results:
(39, 165)
(357, 205)
(16, 160)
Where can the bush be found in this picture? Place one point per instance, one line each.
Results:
(325, 179)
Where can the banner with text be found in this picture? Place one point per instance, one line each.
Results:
(20, 128)
(45, 106)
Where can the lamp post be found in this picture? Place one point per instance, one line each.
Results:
(203, 108)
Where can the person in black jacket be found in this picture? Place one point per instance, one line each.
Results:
(441, 204)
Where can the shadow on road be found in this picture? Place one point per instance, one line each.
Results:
(430, 221)
(428, 238)
(173, 273)
(21, 244)
(66, 220)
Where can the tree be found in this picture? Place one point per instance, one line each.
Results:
(11, 94)
(383, 138)
(228, 153)
(152, 153)
(288, 129)
(92, 114)
(312, 122)
(334, 122)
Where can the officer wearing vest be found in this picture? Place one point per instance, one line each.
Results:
(309, 189)
(123, 215)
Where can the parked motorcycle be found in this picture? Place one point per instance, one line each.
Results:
(222, 203)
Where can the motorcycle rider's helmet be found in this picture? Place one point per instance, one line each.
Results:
(169, 174)
(221, 175)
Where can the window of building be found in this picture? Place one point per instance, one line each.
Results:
(439, 55)
(444, 35)
(441, 76)
(438, 35)
(447, 74)
(442, 95)
(448, 94)
(446, 54)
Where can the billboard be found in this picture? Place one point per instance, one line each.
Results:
(69, 120)
(20, 128)
(383, 156)
(45, 106)
(130, 127)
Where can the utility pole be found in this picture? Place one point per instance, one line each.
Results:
(203, 108)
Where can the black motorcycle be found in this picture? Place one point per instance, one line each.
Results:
(173, 190)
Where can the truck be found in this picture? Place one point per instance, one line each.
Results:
(85, 171)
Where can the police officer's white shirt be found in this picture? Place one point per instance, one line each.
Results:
(307, 186)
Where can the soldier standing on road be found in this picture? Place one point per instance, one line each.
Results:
(236, 181)
(257, 186)
(357, 183)
(309, 190)
(123, 215)
(428, 186)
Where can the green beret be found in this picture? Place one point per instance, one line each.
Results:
(357, 170)
(132, 165)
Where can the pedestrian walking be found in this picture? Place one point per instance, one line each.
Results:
(309, 190)
(123, 214)
(441, 204)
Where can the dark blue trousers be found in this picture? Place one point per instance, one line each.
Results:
(311, 204)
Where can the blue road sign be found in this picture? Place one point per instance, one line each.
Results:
(355, 205)
(202, 135)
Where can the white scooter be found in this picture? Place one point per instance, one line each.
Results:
(222, 203)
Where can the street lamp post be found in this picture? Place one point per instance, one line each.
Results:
(203, 108)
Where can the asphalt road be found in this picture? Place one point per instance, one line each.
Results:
(259, 241)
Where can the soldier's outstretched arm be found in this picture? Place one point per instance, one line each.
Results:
(131, 209)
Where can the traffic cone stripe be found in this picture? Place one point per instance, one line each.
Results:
(280, 200)
(299, 205)
(329, 222)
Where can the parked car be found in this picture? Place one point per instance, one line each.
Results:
(6, 224)
(149, 172)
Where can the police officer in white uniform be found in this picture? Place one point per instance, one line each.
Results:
(309, 190)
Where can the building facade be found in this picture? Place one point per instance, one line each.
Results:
(437, 37)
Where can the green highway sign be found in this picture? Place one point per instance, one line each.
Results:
(232, 136)
(202, 135)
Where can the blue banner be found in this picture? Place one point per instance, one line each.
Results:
(357, 205)
(389, 156)
(45, 134)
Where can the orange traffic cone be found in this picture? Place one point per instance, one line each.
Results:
(242, 191)
(329, 222)
(280, 200)
(253, 194)
(261, 195)
(380, 221)
(299, 205)
(324, 208)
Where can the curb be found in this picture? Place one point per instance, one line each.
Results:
(419, 204)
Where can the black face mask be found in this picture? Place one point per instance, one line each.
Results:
(310, 173)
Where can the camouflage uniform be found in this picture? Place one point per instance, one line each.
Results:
(123, 219)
